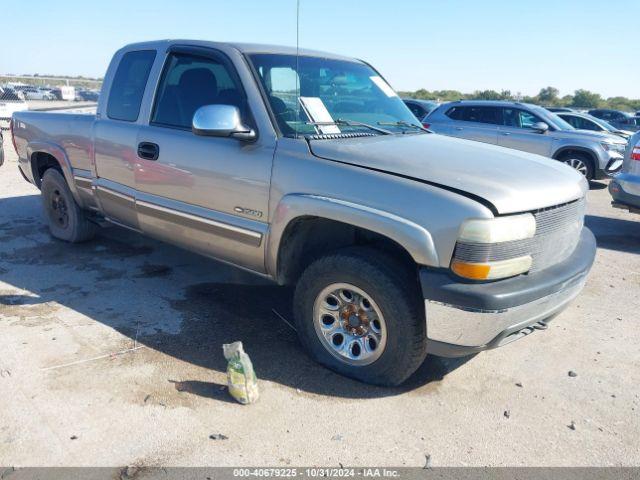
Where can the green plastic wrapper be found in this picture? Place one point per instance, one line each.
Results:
(241, 379)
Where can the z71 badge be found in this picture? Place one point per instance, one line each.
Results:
(248, 211)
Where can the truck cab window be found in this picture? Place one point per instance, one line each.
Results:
(190, 82)
(128, 85)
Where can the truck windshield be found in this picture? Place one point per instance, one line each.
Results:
(347, 92)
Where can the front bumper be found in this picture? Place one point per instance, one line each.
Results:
(465, 318)
(612, 165)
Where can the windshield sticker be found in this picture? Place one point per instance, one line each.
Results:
(317, 112)
(384, 86)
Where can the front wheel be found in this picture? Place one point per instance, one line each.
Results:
(579, 162)
(359, 313)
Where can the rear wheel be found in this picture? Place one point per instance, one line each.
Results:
(359, 313)
(67, 221)
(579, 162)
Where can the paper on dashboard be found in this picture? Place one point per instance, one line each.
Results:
(317, 112)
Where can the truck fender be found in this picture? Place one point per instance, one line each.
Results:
(61, 157)
(411, 236)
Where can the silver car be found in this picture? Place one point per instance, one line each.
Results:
(625, 187)
(584, 121)
(530, 128)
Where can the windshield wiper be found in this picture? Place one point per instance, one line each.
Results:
(401, 123)
(351, 123)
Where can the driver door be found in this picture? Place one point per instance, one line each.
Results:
(207, 194)
(516, 132)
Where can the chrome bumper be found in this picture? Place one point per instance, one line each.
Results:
(478, 328)
(466, 317)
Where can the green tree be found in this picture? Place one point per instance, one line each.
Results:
(548, 96)
(586, 99)
(486, 95)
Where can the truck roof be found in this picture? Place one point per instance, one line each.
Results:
(247, 48)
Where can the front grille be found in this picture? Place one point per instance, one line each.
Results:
(557, 233)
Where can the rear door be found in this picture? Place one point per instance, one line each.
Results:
(207, 194)
(516, 132)
(115, 137)
(479, 123)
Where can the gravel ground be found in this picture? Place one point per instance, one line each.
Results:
(111, 355)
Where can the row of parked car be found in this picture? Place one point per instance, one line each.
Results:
(30, 92)
(13, 98)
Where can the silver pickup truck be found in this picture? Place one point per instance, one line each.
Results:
(308, 169)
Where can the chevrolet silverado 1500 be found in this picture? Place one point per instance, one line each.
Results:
(308, 169)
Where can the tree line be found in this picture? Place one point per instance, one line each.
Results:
(548, 97)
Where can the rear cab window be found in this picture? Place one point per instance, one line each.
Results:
(129, 82)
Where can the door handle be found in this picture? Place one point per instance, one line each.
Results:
(506, 134)
(458, 128)
(148, 150)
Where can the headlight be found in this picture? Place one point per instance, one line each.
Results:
(614, 147)
(499, 229)
(479, 237)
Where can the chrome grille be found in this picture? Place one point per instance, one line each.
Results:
(557, 233)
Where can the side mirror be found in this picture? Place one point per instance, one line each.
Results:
(540, 127)
(221, 121)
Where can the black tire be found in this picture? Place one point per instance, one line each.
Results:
(66, 220)
(396, 292)
(567, 158)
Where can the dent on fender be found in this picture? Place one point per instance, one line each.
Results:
(411, 236)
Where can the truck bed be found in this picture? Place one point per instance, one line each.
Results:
(72, 132)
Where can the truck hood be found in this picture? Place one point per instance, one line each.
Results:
(512, 181)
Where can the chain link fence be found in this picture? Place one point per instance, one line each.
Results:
(25, 92)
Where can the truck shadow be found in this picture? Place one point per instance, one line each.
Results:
(146, 290)
(615, 233)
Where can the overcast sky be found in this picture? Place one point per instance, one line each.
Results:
(464, 45)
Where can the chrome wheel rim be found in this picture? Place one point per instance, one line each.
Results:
(349, 324)
(578, 165)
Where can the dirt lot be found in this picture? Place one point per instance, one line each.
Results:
(111, 355)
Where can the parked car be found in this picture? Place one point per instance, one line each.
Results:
(10, 102)
(621, 120)
(420, 108)
(584, 121)
(625, 187)
(8, 93)
(86, 96)
(57, 93)
(560, 109)
(372, 218)
(530, 128)
(33, 93)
